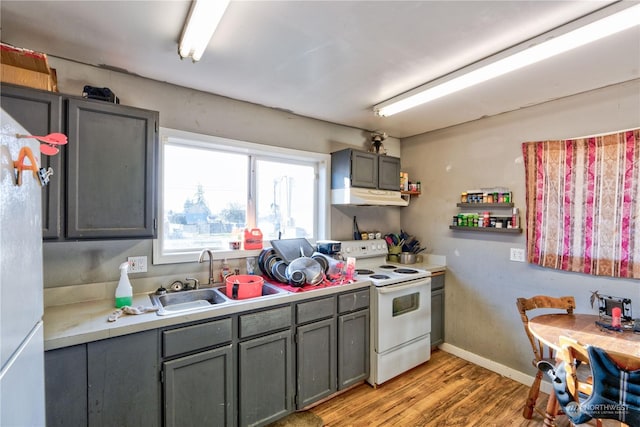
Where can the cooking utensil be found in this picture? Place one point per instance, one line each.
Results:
(407, 258)
(309, 266)
(356, 230)
(290, 249)
(297, 278)
(279, 271)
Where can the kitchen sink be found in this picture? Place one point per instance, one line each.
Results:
(200, 299)
(178, 302)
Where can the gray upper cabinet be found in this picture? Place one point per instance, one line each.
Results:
(40, 113)
(353, 168)
(388, 173)
(111, 171)
(105, 179)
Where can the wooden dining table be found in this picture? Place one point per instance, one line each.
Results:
(548, 328)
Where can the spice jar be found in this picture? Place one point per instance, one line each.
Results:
(463, 197)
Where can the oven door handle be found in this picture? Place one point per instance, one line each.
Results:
(395, 288)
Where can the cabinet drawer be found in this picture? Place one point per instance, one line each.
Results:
(265, 321)
(190, 338)
(353, 301)
(315, 310)
(437, 281)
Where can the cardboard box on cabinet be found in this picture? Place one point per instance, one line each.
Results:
(26, 67)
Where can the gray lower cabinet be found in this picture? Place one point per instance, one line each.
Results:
(198, 374)
(66, 386)
(113, 382)
(198, 389)
(265, 379)
(353, 348)
(316, 351)
(353, 337)
(265, 366)
(122, 381)
(437, 309)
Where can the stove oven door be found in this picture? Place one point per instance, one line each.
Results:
(403, 313)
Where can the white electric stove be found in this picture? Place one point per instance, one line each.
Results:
(400, 310)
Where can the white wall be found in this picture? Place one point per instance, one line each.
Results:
(73, 263)
(481, 283)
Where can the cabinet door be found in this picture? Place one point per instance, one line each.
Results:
(198, 389)
(316, 350)
(111, 171)
(123, 381)
(437, 317)
(65, 378)
(364, 169)
(39, 112)
(389, 173)
(265, 379)
(353, 348)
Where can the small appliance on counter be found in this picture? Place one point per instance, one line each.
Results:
(329, 247)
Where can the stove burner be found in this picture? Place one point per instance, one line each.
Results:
(405, 271)
(380, 276)
(363, 271)
(388, 267)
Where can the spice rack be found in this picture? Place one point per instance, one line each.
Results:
(497, 223)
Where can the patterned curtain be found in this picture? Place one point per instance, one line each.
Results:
(583, 204)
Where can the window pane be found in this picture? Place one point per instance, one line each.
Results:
(285, 201)
(205, 197)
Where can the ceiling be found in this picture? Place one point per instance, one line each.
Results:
(334, 60)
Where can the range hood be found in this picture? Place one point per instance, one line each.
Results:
(367, 197)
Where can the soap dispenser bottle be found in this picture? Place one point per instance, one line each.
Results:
(124, 291)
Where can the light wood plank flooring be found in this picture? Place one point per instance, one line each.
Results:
(446, 391)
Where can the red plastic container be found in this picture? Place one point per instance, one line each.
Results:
(252, 239)
(243, 286)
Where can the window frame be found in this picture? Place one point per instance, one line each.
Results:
(255, 152)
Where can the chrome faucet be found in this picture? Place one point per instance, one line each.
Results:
(201, 259)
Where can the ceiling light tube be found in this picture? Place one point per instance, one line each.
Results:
(203, 19)
(597, 30)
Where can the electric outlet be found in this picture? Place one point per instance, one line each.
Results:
(137, 264)
(517, 254)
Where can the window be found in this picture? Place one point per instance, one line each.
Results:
(212, 189)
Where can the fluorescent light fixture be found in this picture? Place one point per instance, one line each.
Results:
(597, 30)
(204, 17)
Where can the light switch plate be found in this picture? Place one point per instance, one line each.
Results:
(517, 254)
(137, 264)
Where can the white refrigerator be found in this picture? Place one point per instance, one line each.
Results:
(21, 302)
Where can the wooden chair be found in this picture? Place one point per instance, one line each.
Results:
(540, 351)
(575, 356)
(595, 398)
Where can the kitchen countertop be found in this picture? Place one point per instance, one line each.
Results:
(82, 322)
(84, 318)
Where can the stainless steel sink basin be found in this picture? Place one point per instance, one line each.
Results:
(178, 302)
(201, 299)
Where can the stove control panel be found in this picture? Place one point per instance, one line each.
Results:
(364, 248)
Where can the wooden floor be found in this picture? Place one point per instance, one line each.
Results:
(446, 391)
